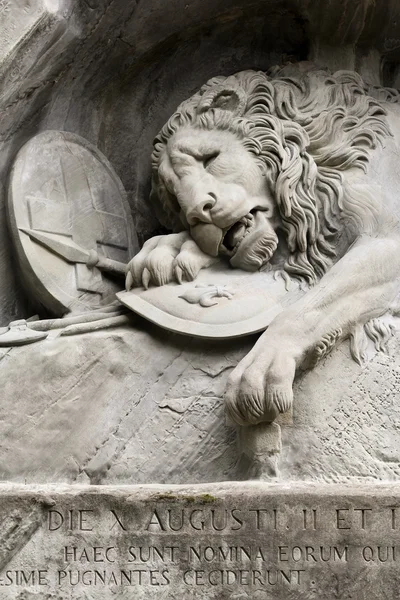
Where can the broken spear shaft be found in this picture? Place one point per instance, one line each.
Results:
(71, 252)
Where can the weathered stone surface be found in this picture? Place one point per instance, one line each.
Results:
(102, 69)
(122, 58)
(136, 405)
(127, 405)
(16, 22)
(224, 541)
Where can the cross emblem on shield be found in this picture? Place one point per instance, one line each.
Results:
(77, 201)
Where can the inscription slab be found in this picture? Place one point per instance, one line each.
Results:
(214, 541)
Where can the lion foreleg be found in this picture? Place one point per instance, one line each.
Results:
(362, 286)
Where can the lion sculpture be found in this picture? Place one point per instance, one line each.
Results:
(298, 172)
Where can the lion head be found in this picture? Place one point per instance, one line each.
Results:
(253, 165)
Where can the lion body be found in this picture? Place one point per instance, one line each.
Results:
(328, 147)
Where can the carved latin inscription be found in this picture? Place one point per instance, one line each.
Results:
(247, 544)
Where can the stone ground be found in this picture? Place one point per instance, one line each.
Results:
(137, 405)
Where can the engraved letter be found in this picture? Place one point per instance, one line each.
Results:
(55, 520)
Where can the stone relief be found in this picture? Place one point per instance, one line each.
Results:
(284, 220)
(274, 174)
(275, 215)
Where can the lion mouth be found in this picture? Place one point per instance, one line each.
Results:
(235, 235)
(250, 242)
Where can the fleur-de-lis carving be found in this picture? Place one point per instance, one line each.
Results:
(207, 295)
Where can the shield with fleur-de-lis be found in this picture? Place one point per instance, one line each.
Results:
(220, 303)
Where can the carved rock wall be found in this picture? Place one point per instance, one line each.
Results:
(114, 71)
(135, 406)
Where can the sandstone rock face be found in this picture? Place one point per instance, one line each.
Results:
(128, 406)
(113, 72)
(120, 474)
(137, 405)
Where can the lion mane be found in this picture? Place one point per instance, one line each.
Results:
(305, 127)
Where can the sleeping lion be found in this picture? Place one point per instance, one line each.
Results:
(297, 172)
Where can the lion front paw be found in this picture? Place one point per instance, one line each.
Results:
(166, 258)
(261, 386)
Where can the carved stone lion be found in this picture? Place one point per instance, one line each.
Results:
(297, 172)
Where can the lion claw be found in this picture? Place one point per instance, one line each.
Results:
(129, 281)
(146, 278)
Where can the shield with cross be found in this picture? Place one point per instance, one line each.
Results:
(70, 222)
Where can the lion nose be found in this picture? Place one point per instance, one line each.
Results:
(201, 211)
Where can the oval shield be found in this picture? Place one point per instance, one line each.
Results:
(220, 303)
(70, 222)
